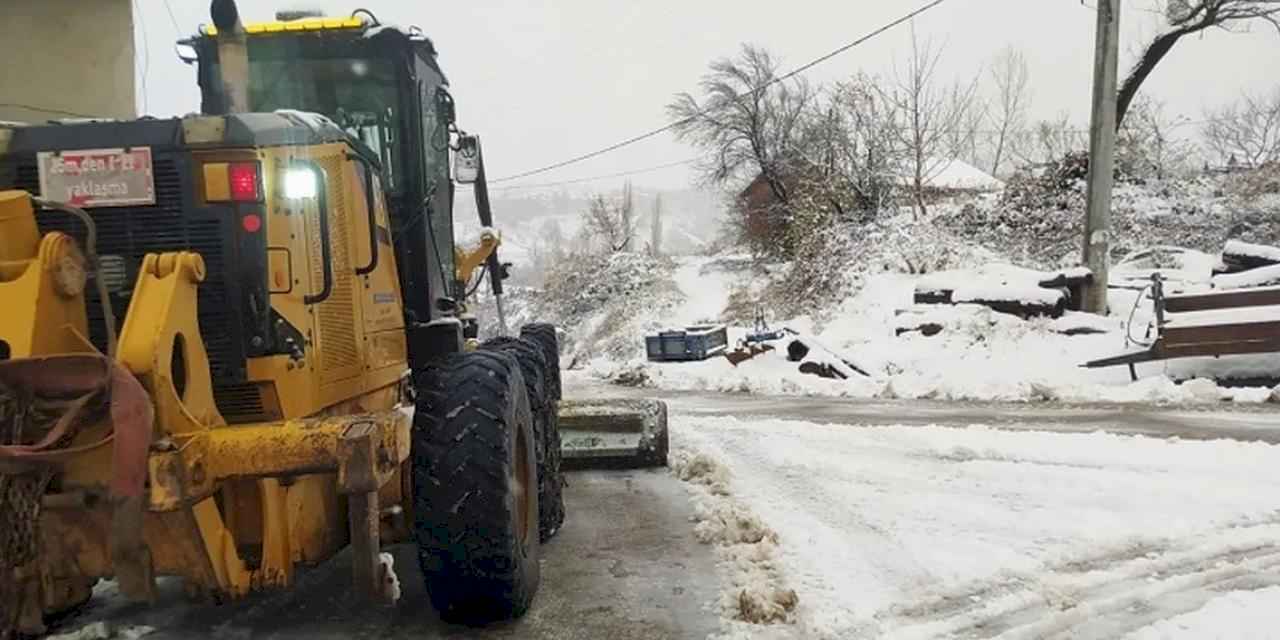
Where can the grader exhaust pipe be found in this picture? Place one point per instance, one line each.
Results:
(233, 56)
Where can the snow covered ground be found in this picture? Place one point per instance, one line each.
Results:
(835, 531)
(978, 355)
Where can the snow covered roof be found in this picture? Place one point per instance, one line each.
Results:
(958, 174)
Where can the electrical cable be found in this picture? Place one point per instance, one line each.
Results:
(620, 174)
(1128, 325)
(146, 54)
(31, 107)
(672, 125)
(172, 19)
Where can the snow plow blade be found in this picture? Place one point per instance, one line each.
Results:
(613, 433)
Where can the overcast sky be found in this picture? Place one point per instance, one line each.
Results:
(543, 80)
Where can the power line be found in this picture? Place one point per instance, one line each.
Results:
(620, 174)
(146, 53)
(172, 19)
(982, 132)
(672, 125)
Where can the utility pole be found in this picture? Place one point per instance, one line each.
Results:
(1102, 156)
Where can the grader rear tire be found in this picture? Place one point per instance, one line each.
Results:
(475, 489)
(544, 335)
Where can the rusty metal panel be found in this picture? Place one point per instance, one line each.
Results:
(1172, 335)
(1222, 300)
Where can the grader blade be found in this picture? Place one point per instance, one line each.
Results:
(613, 433)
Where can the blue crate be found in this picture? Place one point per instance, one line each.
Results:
(691, 344)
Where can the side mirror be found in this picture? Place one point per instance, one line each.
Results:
(466, 160)
(186, 52)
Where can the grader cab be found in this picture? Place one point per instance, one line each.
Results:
(236, 342)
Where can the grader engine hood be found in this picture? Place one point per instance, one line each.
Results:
(148, 197)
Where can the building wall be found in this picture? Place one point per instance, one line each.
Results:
(65, 57)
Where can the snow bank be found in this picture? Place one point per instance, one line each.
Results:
(1256, 251)
(757, 593)
(1260, 277)
(969, 352)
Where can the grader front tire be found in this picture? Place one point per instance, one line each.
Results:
(476, 489)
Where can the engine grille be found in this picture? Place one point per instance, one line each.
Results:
(133, 232)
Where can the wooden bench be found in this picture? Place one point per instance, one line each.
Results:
(1225, 336)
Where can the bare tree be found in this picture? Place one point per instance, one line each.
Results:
(931, 112)
(1186, 17)
(851, 151)
(1248, 131)
(1008, 114)
(1049, 140)
(747, 122)
(655, 227)
(553, 240)
(1146, 146)
(965, 139)
(612, 222)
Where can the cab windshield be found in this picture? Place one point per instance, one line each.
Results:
(360, 94)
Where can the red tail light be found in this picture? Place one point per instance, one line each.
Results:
(244, 182)
(251, 222)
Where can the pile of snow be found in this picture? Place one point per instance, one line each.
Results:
(756, 593)
(932, 532)
(1260, 277)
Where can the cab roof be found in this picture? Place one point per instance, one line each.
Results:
(301, 24)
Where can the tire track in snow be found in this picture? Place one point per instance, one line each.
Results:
(1103, 596)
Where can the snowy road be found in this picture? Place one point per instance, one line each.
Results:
(625, 566)
(1035, 527)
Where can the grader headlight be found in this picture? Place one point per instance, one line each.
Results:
(300, 183)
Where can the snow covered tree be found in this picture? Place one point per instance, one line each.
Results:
(611, 222)
(747, 124)
(1248, 131)
(655, 227)
(931, 111)
(747, 120)
(1146, 146)
(1049, 141)
(853, 154)
(1187, 17)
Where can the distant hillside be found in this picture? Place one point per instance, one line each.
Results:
(533, 222)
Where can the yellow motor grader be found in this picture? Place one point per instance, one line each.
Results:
(236, 342)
